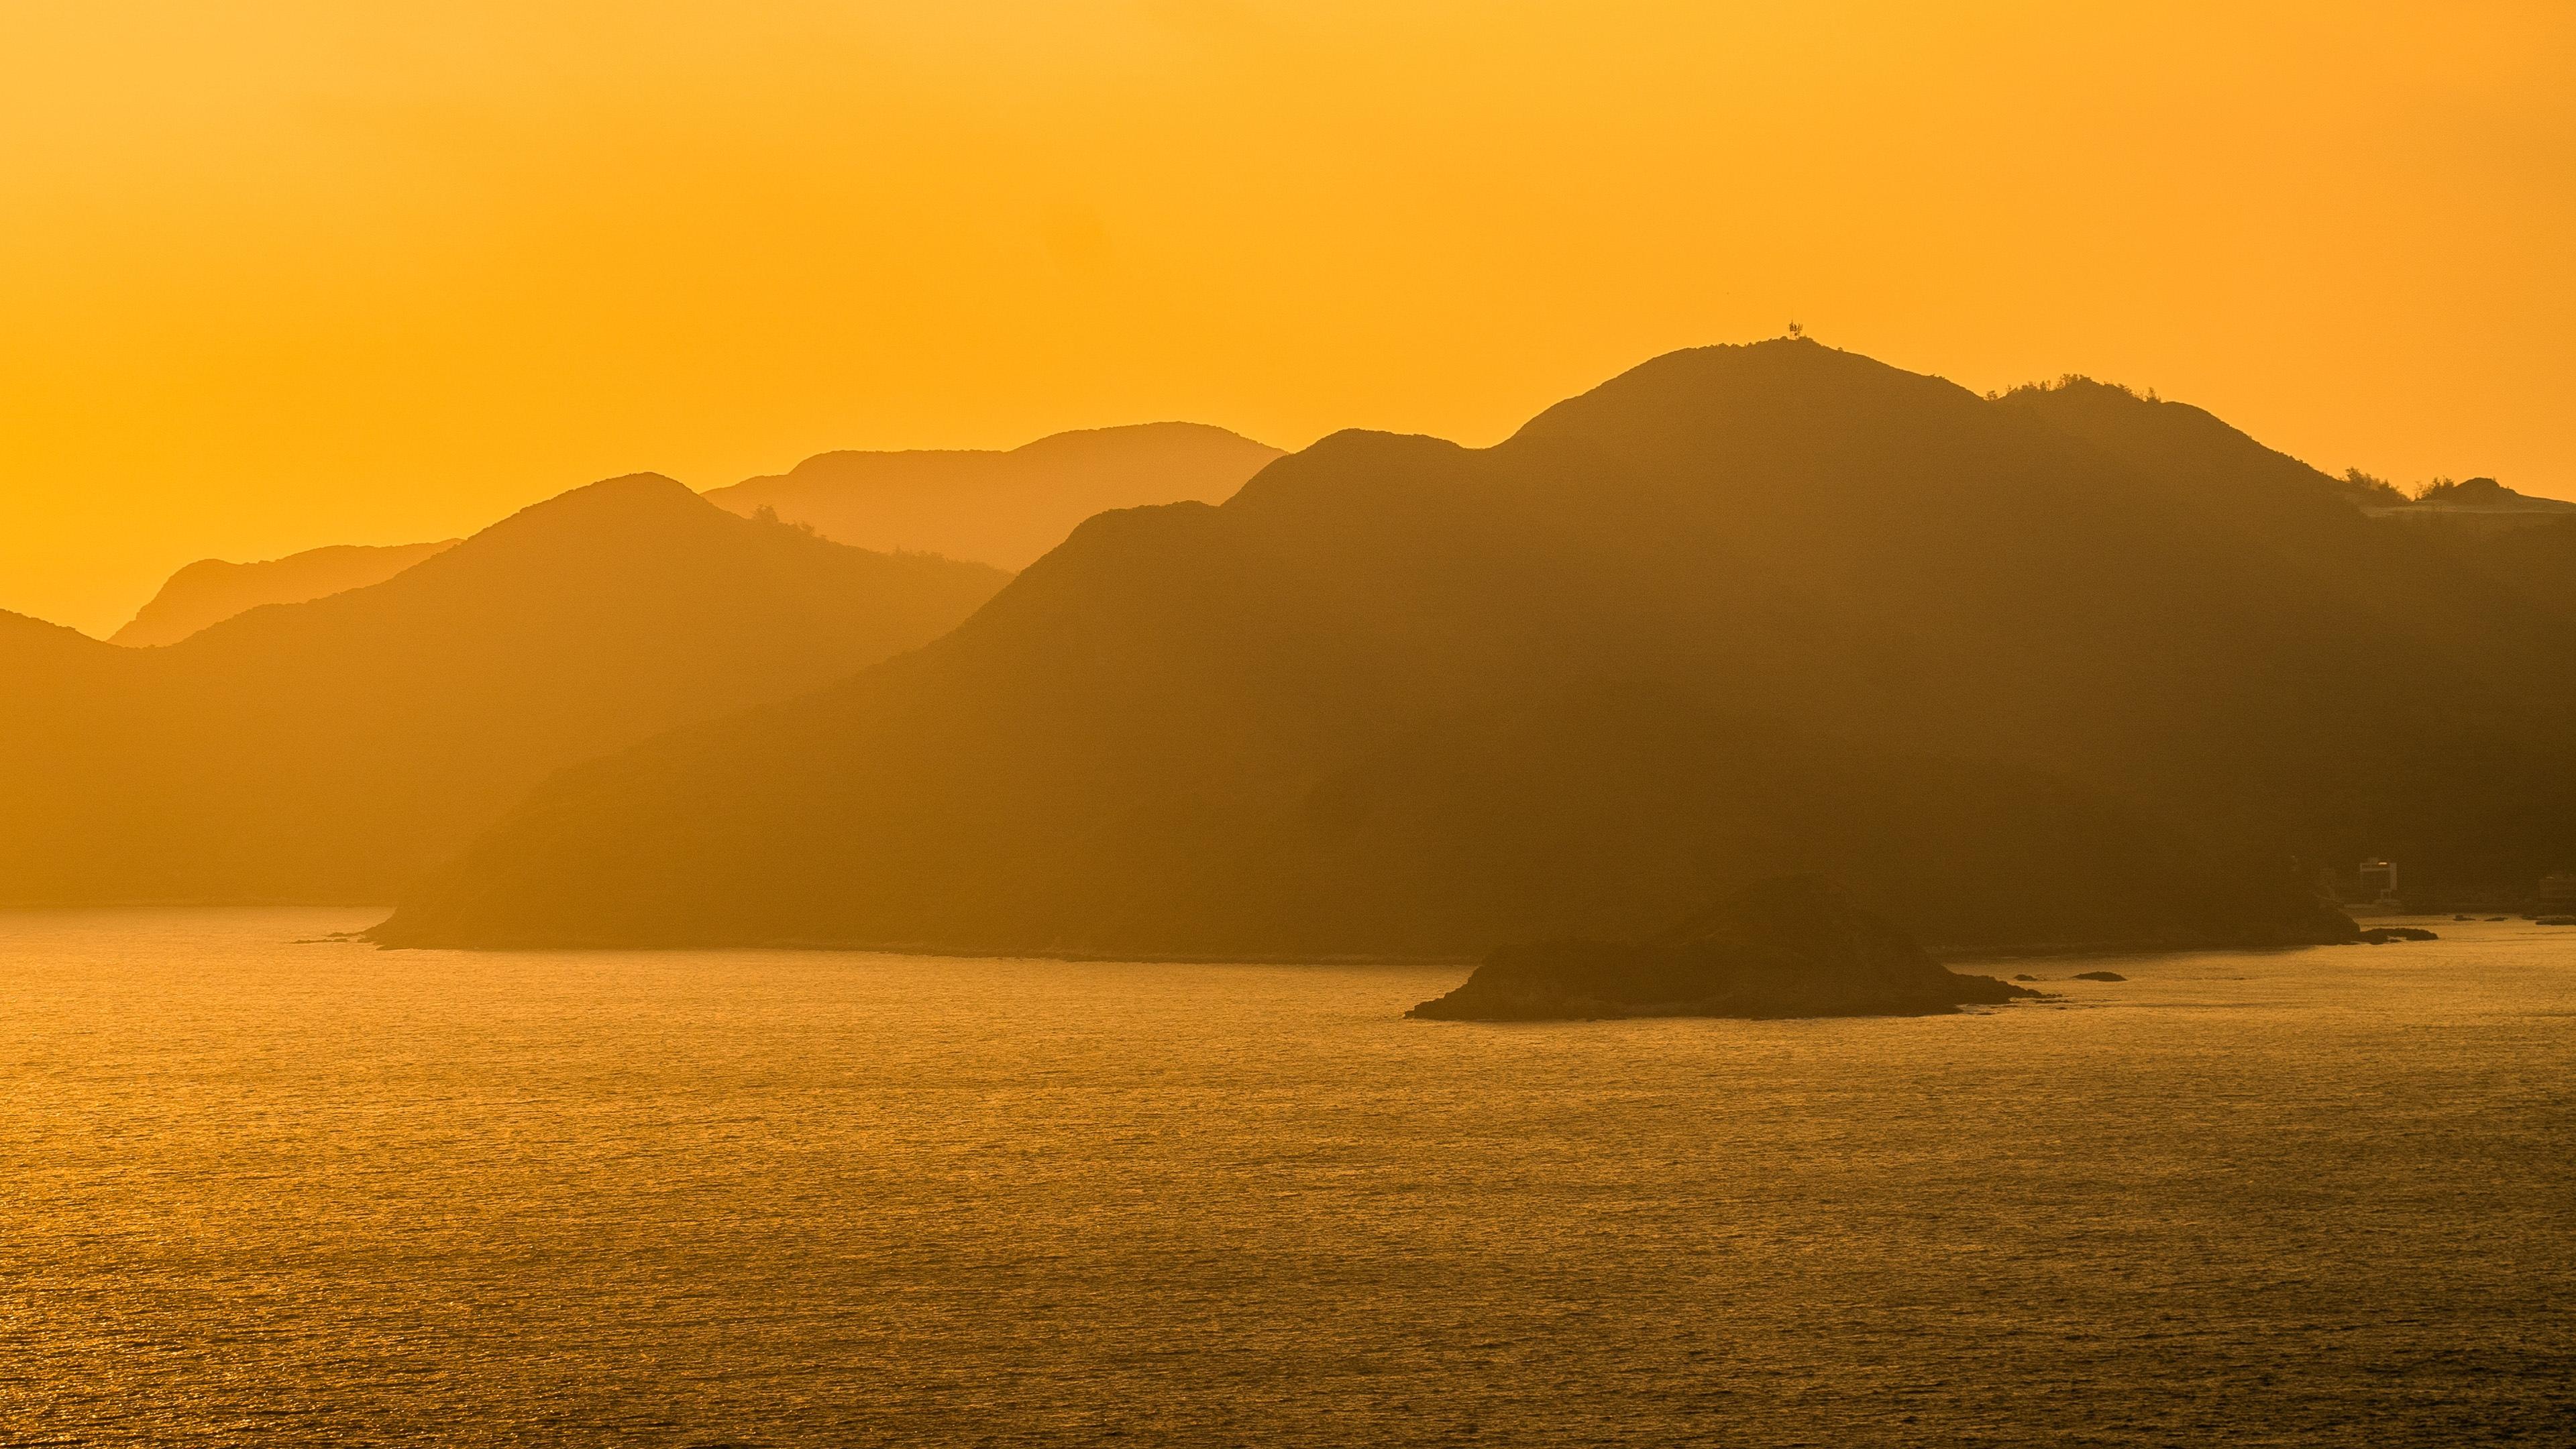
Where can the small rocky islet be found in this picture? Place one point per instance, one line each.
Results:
(1789, 947)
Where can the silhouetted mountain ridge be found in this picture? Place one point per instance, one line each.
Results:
(1001, 507)
(330, 749)
(210, 591)
(2189, 448)
(29, 642)
(1738, 611)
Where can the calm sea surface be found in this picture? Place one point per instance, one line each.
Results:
(260, 1192)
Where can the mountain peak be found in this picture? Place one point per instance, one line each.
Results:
(1683, 396)
(647, 501)
(332, 748)
(1162, 435)
(630, 490)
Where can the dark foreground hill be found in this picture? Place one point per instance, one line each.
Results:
(328, 750)
(1793, 946)
(212, 590)
(1740, 612)
(2499, 552)
(2537, 563)
(1001, 508)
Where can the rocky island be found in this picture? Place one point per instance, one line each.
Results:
(1789, 947)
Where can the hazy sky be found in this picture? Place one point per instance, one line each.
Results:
(277, 273)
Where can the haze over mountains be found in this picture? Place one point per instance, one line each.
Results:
(1002, 508)
(2064, 666)
(212, 590)
(329, 750)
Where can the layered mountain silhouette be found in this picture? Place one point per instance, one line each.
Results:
(2052, 669)
(212, 590)
(1001, 508)
(328, 750)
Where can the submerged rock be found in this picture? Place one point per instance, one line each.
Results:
(1780, 948)
(2099, 976)
(2556, 921)
(2382, 935)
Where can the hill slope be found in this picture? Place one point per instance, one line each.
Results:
(2539, 563)
(328, 750)
(33, 649)
(212, 590)
(1001, 508)
(1738, 612)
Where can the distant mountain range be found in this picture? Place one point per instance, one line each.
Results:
(210, 591)
(329, 750)
(1002, 508)
(2065, 666)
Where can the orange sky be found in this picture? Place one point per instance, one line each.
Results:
(277, 273)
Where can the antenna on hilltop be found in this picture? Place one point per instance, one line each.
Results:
(1797, 331)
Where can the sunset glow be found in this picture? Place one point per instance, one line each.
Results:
(282, 273)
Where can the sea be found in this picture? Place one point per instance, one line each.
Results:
(263, 1188)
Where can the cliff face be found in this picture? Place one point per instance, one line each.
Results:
(1789, 947)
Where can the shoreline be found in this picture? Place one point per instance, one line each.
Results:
(1946, 955)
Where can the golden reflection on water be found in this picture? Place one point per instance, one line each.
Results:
(317, 1193)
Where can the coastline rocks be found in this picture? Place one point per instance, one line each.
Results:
(2555, 921)
(1789, 947)
(2382, 935)
(2099, 976)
